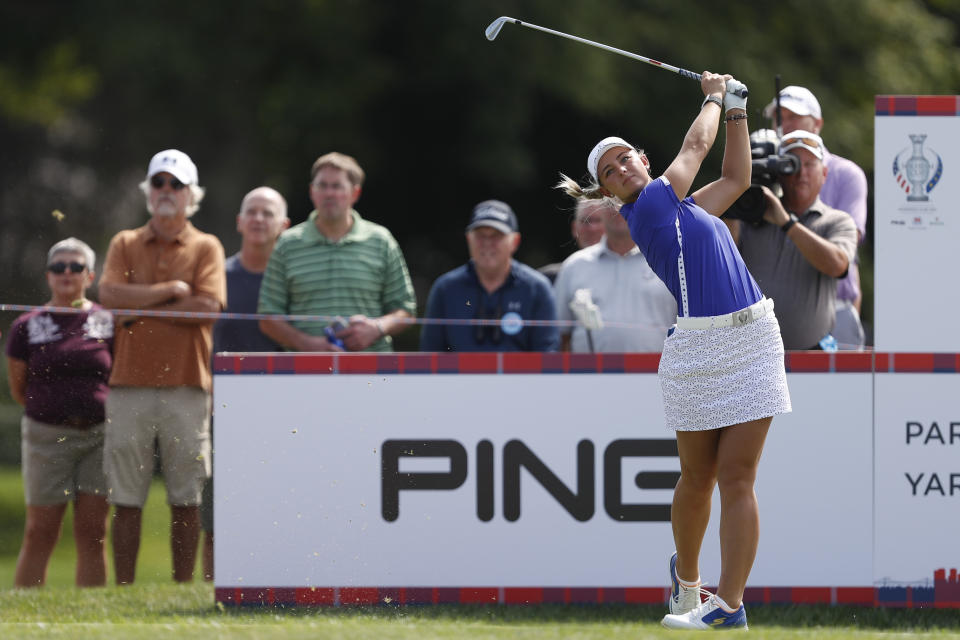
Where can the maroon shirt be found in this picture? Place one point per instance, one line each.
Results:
(68, 358)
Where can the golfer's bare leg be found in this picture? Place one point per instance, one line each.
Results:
(691, 498)
(737, 462)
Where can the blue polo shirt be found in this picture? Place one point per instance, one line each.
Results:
(691, 251)
(243, 289)
(526, 295)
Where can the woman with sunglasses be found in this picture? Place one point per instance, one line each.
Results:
(58, 366)
(721, 372)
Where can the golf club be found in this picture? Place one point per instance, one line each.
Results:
(494, 29)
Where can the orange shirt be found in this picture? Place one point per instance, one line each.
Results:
(160, 352)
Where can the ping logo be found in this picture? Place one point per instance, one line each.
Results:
(515, 457)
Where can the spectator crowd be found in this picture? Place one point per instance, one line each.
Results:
(103, 393)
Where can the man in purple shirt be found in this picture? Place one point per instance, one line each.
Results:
(845, 189)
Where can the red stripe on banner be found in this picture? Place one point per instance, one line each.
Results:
(359, 596)
(418, 363)
(913, 363)
(780, 595)
(523, 595)
(479, 595)
(313, 363)
(641, 362)
(255, 595)
(556, 362)
(904, 105)
(851, 362)
(611, 362)
(556, 595)
(447, 363)
(316, 596)
(522, 362)
(447, 595)
(477, 362)
(646, 595)
(284, 596)
(222, 364)
(584, 595)
(253, 364)
(584, 363)
(357, 363)
(882, 362)
(225, 595)
(936, 105)
(810, 595)
(864, 596)
(392, 595)
(945, 362)
(420, 595)
(807, 361)
(389, 363)
(756, 595)
(613, 595)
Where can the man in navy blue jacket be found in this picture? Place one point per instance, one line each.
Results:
(494, 287)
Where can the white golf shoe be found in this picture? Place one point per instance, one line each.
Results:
(708, 615)
(682, 599)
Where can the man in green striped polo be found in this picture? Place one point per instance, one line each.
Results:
(336, 264)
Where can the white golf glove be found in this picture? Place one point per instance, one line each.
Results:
(730, 99)
(586, 312)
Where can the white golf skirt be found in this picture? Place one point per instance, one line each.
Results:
(713, 378)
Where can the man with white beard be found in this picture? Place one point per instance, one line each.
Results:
(161, 380)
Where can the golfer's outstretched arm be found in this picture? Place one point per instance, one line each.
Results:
(717, 196)
(700, 136)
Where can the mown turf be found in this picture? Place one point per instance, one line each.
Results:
(167, 610)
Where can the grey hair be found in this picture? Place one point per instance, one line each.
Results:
(74, 245)
(197, 191)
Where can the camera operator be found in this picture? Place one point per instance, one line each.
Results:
(801, 249)
(845, 189)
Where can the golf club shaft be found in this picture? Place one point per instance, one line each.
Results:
(497, 24)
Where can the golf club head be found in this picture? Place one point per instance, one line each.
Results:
(494, 29)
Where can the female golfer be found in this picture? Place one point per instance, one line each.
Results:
(722, 371)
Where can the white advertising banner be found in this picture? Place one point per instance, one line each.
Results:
(514, 480)
(916, 226)
(917, 475)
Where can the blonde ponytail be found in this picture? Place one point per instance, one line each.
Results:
(573, 189)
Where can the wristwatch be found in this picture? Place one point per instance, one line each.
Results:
(789, 223)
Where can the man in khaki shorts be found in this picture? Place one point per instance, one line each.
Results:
(161, 379)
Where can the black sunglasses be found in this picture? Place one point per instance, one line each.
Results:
(60, 267)
(159, 181)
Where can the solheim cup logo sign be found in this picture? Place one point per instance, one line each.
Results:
(913, 172)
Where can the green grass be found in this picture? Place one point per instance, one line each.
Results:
(155, 607)
(153, 563)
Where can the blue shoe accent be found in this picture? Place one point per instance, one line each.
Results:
(674, 580)
(720, 619)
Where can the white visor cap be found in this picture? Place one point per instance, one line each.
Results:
(602, 147)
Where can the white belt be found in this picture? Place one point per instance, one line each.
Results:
(735, 319)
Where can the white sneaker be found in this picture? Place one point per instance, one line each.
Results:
(682, 599)
(708, 615)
